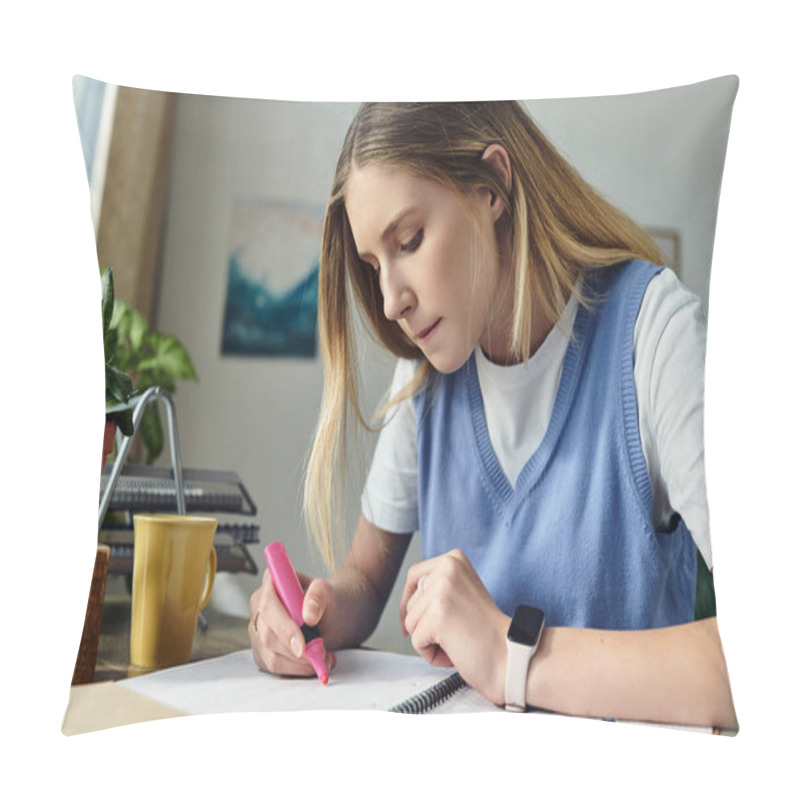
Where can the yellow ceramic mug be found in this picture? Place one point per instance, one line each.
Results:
(174, 564)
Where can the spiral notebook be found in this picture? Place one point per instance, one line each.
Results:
(362, 680)
(429, 699)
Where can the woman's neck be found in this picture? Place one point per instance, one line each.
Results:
(496, 342)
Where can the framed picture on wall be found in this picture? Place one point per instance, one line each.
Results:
(273, 270)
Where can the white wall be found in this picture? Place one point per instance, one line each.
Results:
(657, 155)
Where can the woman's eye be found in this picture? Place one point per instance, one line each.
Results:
(412, 244)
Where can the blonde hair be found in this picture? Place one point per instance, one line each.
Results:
(560, 227)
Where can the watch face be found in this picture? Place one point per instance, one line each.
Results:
(526, 626)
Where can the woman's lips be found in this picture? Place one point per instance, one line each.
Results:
(425, 335)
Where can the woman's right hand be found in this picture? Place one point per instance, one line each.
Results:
(276, 639)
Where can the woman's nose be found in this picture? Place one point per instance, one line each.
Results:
(398, 298)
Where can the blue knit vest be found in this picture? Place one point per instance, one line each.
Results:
(575, 535)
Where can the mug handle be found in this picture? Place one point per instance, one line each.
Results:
(210, 574)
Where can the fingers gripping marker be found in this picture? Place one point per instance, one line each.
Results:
(287, 585)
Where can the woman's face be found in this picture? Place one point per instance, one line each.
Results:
(437, 263)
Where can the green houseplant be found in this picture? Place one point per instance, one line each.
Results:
(136, 359)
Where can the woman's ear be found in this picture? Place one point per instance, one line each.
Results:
(496, 157)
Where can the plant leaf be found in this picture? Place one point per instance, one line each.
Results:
(120, 311)
(110, 346)
(151, 433)
(169, 358)
(138, 330)
(121, 323)
(119, 386)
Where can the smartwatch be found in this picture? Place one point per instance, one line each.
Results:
(522, 639)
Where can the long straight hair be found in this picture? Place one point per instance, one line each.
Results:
(560, 227)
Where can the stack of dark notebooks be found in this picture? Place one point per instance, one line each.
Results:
(149, 489)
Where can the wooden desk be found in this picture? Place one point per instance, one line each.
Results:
(103, 704)
(224, 635)
(106, 704)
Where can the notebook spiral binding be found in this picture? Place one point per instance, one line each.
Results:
(430, 698)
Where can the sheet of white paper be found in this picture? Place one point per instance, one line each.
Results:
(361, 680)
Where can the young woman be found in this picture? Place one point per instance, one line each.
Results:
(543, 433)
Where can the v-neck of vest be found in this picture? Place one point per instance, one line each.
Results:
(565, 394)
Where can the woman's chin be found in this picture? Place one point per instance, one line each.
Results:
(447, 363)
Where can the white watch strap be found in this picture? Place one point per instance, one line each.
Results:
(519, 659)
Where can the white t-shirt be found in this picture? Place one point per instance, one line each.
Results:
(669, 345)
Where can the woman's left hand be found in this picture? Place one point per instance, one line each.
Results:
(453, 621)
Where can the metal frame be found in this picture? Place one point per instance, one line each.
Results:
(149, 396)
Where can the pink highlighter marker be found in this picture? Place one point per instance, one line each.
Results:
(284, 578)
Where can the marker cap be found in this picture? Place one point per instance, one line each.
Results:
(313, 653)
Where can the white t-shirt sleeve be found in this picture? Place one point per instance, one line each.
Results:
(389, 499)
(669, 372)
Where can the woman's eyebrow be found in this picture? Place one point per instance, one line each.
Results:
(390, 228)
